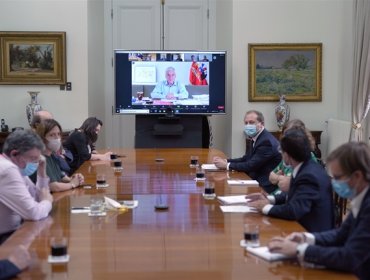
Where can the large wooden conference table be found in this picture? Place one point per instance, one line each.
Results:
(193, 239)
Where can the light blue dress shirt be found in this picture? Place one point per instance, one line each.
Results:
(163, 88)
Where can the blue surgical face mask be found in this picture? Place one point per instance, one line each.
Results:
(287, 165)
(30, 168)
(250, 130)
(342, 188)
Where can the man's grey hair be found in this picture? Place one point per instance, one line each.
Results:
(170, 69)
(22, 141)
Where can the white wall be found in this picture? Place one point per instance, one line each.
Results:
(69, 107)
(96, 69)
(236, 23)
(294, 21)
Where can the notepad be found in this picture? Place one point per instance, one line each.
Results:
(238, 209)
(130, 204)
(233, 199)
(242, 182)
(78, 210)
(264, 253)
(211, 167)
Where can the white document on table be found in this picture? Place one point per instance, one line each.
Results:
(238, 209)
(211, 167)
(264, 253)
(78, 210)
(233, 199)
(242, 182)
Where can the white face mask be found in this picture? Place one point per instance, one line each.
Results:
(54, 144)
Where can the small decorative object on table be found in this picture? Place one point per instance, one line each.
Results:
(33, 107)
(282, 112)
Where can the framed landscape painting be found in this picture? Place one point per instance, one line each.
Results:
(32, 58)
(293, 70)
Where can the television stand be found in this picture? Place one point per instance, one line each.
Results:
(170, 131)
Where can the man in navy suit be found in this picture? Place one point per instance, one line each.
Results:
(262, 158)
(309, 199)
(346, 248)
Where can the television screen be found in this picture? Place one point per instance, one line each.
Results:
(181, 82)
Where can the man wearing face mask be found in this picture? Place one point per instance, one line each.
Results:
(50, 132)
(309, 199)
(20, 199)
(262, 158)
(346, 248)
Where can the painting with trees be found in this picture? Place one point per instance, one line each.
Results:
(293, 70)
(32, 58)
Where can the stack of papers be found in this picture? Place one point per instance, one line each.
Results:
(238, 209)
(264, 253)
(130, 204)
(78, 210)
(211, 167)
(242, 182)
(233, 199)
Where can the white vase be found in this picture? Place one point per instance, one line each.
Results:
(282, 112)
(33, 107)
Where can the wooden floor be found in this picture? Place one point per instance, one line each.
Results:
(193, 239)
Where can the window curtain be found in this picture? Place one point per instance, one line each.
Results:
(361, 69)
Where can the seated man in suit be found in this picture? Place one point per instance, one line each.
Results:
(262, 158)
(309, 199)
(170, 88)
(346, 248)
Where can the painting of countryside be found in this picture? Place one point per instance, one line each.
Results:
(31, 58)
(285, 72)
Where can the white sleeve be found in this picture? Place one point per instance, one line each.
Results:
(17, 196)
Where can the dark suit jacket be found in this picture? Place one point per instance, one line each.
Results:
(8, 269)
(346, 248)
(309, 200)
(260, 161)
(77, 143)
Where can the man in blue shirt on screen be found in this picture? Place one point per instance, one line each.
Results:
(170, 89)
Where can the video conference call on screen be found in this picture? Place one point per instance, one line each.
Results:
(153, 82)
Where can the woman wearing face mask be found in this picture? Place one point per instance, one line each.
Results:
(50, 132)
(81, 143)
(20, 199)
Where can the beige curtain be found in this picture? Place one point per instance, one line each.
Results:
(361, 69)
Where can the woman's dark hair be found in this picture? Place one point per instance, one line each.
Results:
(296, 144)
(89, 128)
(45, 126)
(298, 124)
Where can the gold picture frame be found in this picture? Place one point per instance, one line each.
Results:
(293, 70)
(33, 58)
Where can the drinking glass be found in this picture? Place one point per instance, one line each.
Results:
(194, 161)
(58, 246)
(251, 235)
(200, 174)
(117, 166)
(101, 181)
(209, 191)
(96, 206)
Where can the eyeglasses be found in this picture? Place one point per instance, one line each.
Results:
(338, 177)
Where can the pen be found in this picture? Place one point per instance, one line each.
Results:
(80, 208)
